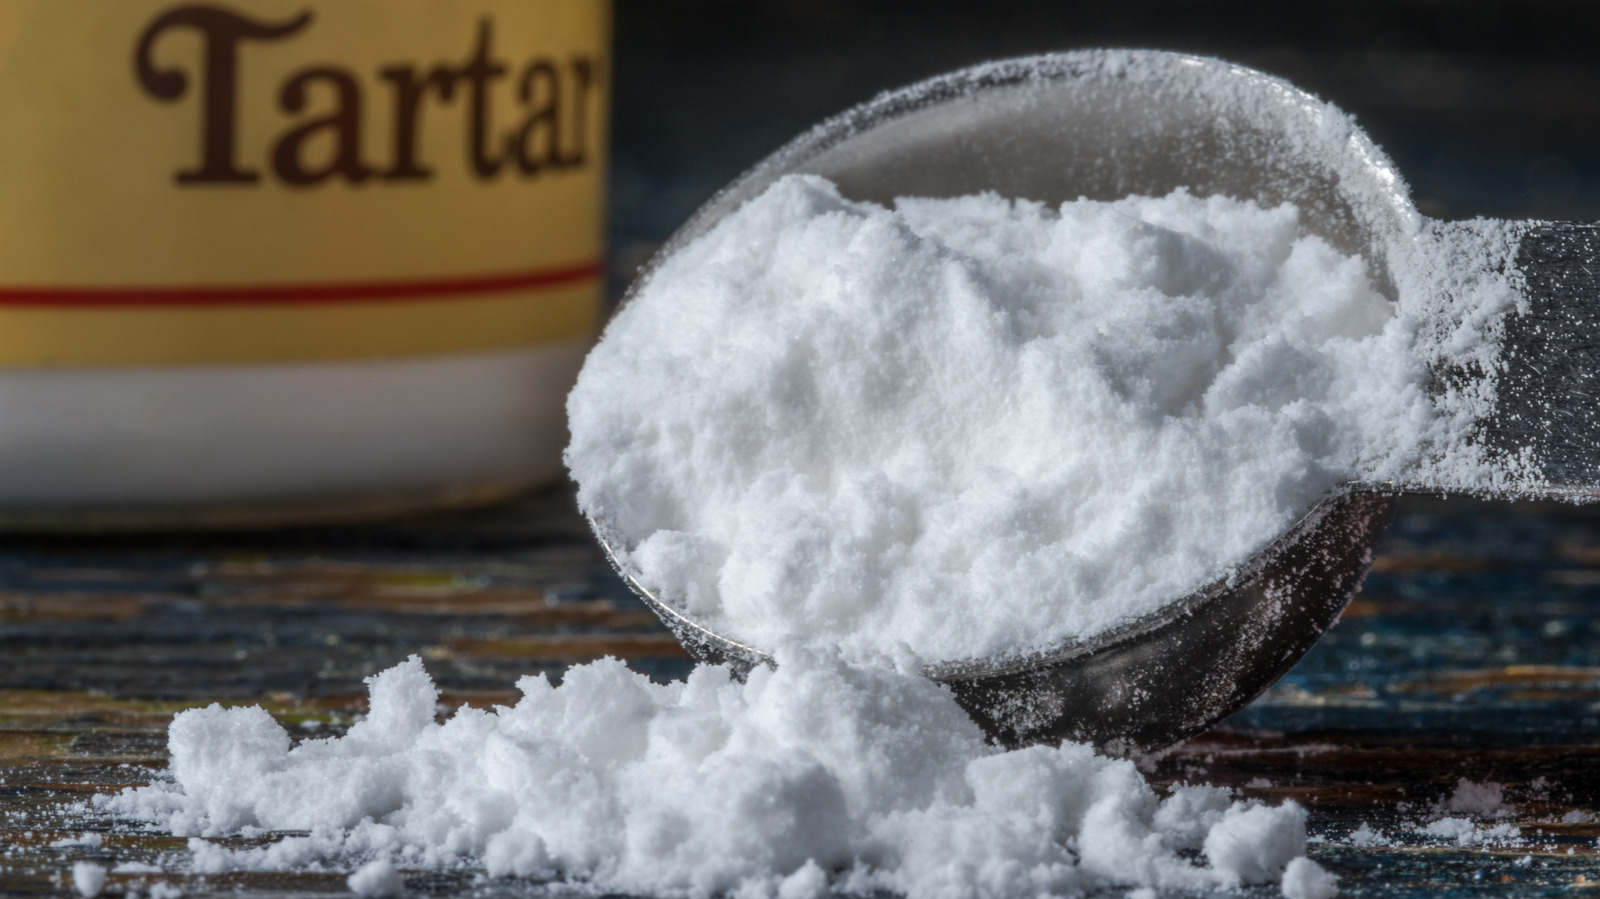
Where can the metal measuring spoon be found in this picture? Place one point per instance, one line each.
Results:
(1104, 124)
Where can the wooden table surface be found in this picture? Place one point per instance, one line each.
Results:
(1472, 653)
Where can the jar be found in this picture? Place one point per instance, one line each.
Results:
(281, 261)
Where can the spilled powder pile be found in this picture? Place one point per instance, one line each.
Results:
(1466, 817)
(816, 776)
(978, 425)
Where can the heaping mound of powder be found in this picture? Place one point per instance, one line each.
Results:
(814, 777)
(977, 426)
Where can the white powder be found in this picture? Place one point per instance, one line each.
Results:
(1484, 800)
(1305, 879)
(1465, 833)
(376, 878)
(818, 775)
(978, 426)
(88, 879)
(1365, 837)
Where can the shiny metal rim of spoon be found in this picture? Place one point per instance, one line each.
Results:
(1103, 124)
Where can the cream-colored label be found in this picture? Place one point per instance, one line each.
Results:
(277, 180)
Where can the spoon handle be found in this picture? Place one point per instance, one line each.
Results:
(1549, 387)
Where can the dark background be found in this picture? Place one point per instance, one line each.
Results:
(1489, 109)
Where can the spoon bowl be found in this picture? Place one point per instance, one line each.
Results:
(1101, 125)
(1154, 681)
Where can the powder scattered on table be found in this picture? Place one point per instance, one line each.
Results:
(376, 878)
(1305, 879)
(88, 879)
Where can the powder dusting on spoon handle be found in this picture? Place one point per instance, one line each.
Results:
(1545, 421)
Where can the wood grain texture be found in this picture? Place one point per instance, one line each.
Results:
(1474, 652)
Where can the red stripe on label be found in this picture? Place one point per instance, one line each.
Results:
(278, 294)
